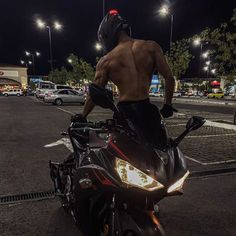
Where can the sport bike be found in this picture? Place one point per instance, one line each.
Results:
(112, 182)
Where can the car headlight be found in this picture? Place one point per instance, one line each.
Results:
(178, 184)
(135, 177)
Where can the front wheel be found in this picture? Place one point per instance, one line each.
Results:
(58, 102)
(133, 223)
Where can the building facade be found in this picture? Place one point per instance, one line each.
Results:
(13, 77)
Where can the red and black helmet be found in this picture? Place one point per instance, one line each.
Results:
(109, 28)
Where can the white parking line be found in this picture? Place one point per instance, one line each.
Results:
(210, 135)
(210, 163)
(175, 125)
(212, 124)
(69, 112)
(220, 125)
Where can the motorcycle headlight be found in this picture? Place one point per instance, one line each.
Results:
(135, 177)
(178, 184)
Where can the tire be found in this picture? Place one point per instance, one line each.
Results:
(58, 102)
(18, 95)
(5, 94)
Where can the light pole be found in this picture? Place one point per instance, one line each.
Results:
(199, 42)
(57, 26)
(165, 11)
(103, 8)
(37, 54)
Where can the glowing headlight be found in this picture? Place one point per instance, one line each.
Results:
(178, 184)
(134, 177)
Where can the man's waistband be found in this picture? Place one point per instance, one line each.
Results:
(147, 100)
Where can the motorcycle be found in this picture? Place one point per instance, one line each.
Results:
(112, 183)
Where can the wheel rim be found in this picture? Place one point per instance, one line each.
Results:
(58, 102)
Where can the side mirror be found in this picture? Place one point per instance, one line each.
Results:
(195, 122)
(101, 96)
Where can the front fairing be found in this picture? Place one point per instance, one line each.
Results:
(165, 167)
(141, 156)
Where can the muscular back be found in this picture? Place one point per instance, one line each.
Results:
(130, 68)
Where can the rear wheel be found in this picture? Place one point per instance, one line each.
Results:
(5, 94)
(58, 102)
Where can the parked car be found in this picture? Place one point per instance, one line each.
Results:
(190, 93)
(157, 94)
(215, 95)
(47, 88)
(12, 92)
(177, 94)
(64, 96)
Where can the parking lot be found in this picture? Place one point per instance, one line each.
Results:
(30, 137)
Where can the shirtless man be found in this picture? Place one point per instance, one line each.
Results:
(130, 64)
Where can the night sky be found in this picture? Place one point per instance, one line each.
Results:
(81, 18)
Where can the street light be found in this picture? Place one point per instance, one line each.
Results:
(41, 24)
(28, 54)
(25, 63)
(69, 60)
(205, 54)
(57, 26)
(208, 63)
(165, 11)
(197, 42)
(98, 46)
(213, 71)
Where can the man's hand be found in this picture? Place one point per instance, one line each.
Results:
(167, 111)
(78, 118)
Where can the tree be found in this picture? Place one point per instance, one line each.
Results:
(222, 42)
(82, 71)
(58, 76)
(179, 57)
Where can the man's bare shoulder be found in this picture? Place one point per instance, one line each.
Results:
(154, 46)
(103, 62)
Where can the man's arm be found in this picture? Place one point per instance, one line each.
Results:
(101, 79)
(164, 69)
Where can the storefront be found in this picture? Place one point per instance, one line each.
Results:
(13, 77)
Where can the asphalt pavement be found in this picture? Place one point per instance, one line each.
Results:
(27, 125)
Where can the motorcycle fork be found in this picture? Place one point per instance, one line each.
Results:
(55, 176)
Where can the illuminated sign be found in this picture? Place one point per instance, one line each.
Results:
(9, 73)
(215, 83)
(155, 80)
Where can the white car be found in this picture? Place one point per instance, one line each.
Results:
(64, 96)
(12, 92)
(49, 89)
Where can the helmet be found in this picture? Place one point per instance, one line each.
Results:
(109, 28)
